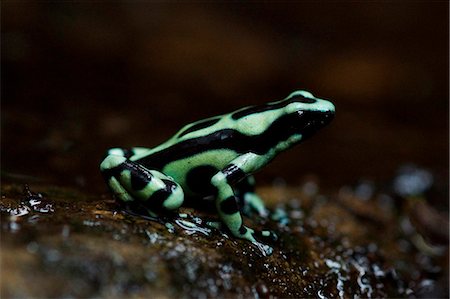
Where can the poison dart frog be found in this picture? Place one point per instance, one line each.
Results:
(216, 157)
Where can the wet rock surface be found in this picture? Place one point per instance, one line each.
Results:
(357, 241)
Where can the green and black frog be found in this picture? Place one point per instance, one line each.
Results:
(216, 157)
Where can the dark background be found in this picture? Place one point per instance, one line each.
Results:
(78, 78)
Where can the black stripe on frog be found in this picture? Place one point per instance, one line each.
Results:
(303, 122)
(202, 124)
(266, 107)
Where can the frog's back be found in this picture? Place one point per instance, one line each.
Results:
(208, 144)
(215, 141)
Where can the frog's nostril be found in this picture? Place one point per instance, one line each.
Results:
(328, 108)
(329, 116)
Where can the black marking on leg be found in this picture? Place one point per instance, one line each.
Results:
(240, 200)
(244, 186)
(112, 172)
(240, 189)
(156, 200)
(127, 153)
(198, 180)
(134, 168)
(170, 185)
(229, 206)
(233, 173)
(242, 230)
(139, 180)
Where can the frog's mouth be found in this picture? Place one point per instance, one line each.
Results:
(309, 122)
(304, 123)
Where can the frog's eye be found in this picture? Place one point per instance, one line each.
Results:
(302, 96)
(294, 107)
(302, 99)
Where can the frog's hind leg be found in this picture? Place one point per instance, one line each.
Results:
(130, 181)
(126, 152)
(250, 201)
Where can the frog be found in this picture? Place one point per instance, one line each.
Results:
(216, 158)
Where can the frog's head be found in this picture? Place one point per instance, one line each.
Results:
(306, 113)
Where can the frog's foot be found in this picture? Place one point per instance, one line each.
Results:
(250, 235)
(250, 201)
(256, 238)
(254, 204)
(215, 224)
(266, 250)
(227, 202)
(259, 239)
(232, 219)
(265, 235)
(131, 181)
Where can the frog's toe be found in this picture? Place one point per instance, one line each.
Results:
(215, 224)
(254, 204)
(266, 235)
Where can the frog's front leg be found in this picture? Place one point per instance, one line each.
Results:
(250, 201)
(227, 202)
(130, 181)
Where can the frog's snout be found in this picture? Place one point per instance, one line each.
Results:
(326, 117)
(325, 113)
(309, 122)
(326, 107)
(316, 120)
